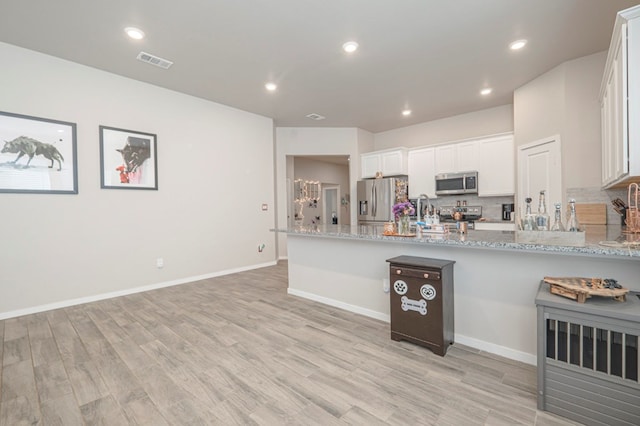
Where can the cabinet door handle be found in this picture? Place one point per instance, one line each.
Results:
(399, 271)
(426, 275)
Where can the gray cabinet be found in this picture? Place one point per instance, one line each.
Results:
(588, 358)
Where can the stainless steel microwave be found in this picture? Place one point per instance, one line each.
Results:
(457, 183)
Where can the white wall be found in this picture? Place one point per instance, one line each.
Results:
(292, 141)
(539, 107)
(564, 101)
(204, 219)
(582, 138)
(489, 121)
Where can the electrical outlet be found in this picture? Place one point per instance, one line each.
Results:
(385, 285)
(160, 263)
(265, 207)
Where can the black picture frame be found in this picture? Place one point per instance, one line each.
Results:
(128, 159)
(37, 155)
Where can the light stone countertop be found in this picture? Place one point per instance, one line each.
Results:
(501, 240)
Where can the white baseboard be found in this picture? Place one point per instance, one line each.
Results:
(346, 306)
(110, 295)
(463, 340)
(496, 349)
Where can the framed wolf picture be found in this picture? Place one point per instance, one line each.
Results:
(128, 159)
(38, 155)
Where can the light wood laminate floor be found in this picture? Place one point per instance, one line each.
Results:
(238, 350)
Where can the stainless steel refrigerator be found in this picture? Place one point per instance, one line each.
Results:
(376, 198)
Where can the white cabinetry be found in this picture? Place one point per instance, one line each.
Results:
(457, 157)
(422, 173)
(496, 166)
(370, 164)
(493, 157)
(620, 103)
(467, 156)
(445, 157)
(391, 162)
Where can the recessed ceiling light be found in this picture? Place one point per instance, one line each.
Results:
(350, 46)
(134, 33)
(271, 87)
(406, 112)
(518, 44)
(486, 91)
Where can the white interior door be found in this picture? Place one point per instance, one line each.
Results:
(331, 195)
(539, 168)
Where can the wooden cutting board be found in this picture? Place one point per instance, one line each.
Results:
(592, 214)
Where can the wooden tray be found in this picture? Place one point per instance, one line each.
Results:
(577, 288)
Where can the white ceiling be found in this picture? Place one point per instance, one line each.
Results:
(432, 56)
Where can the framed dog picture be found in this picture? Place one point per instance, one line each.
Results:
(128, 159)
(38, 155)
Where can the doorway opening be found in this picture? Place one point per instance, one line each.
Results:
(329, 172)
(331, 196)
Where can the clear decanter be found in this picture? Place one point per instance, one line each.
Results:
(557, 220)
(572, 222)
(542, 218)
(529, 223)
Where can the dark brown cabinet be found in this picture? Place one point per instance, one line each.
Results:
(421, 297)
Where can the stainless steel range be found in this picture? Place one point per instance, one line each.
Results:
(469, 214)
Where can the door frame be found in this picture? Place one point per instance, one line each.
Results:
(330, 187)
(557, 148)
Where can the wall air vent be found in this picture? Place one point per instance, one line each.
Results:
(154, 60)
(315, 116)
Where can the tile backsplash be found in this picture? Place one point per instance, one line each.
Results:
(599, 195)
(491, 206)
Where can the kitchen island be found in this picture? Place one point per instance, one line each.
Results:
(496, 278)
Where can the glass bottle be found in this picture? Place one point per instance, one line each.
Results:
(529, 223)
(542, 218)
(572, 222)
(557, 221)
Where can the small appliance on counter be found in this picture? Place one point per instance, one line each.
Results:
(508, 211)
(469, 214)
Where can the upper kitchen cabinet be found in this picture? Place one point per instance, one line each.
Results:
(422, 172)
(620, 103)
(496, 166)
(457, 157)
(392, 162)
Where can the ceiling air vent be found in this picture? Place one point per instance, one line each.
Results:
(315, 116)
(154, 60)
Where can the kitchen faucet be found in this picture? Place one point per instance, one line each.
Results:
(419, 206)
